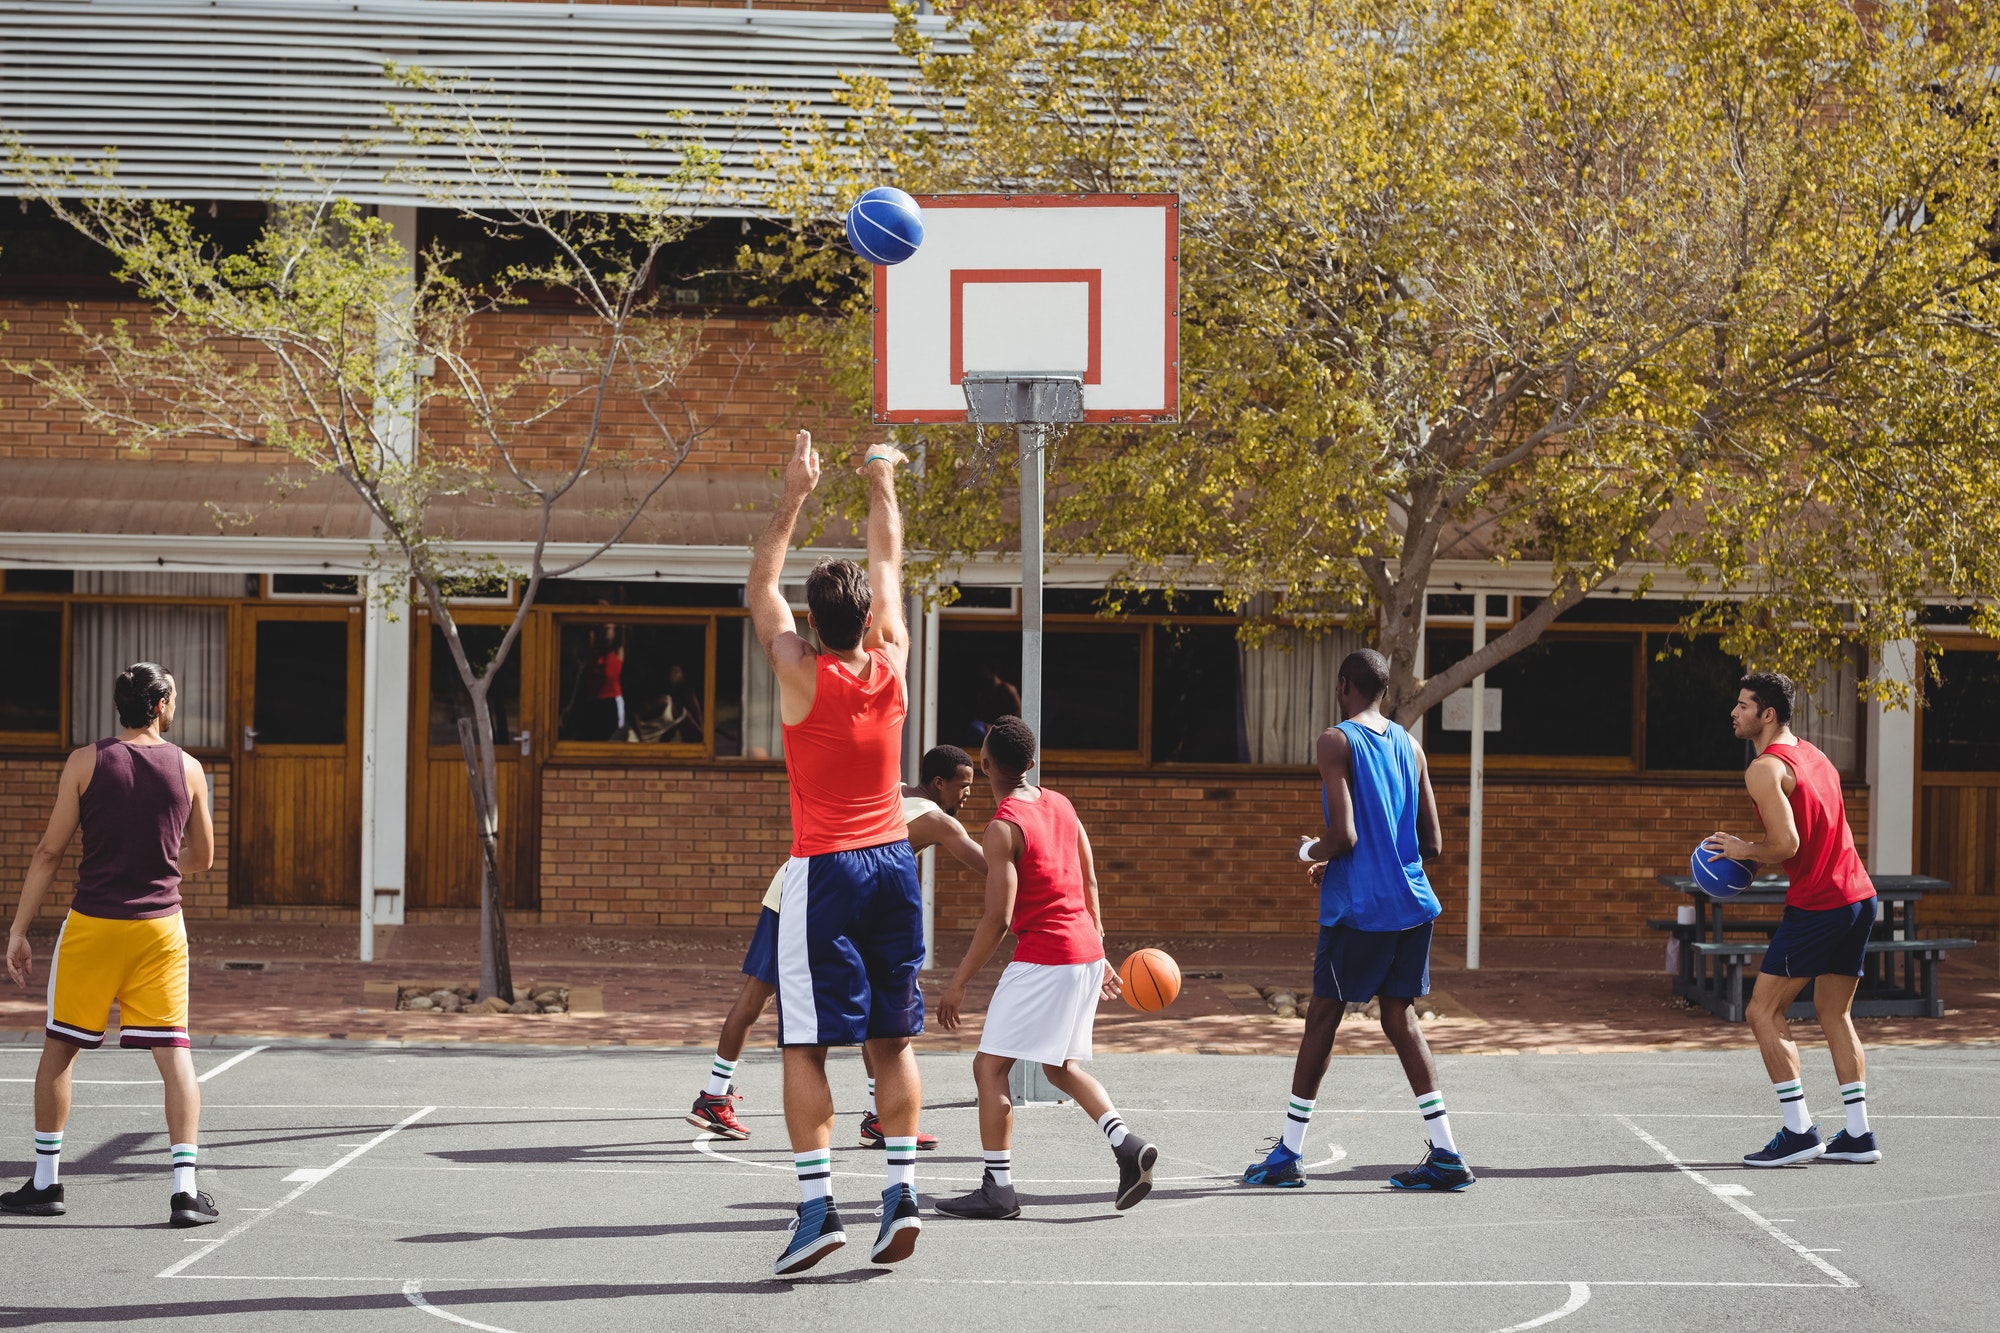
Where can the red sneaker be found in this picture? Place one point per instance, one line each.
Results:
(717, 1115)
(872, 1136)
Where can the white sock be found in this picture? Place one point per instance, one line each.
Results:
(1792, 1101)
(1001, 1165)
(183, 1156)
(815, 1168)
(48, 1157)
(1855, 1096)
(1298, 1114)
(871, 1097)
(1436, 1123)
(720, 1075)
(1113, 1127)
(902, 1160)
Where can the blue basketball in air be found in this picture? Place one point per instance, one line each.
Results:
(885, 226)
(1721, 877)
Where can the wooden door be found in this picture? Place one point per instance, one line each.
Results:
(443, 869)
(296, 825)
(1958, 787)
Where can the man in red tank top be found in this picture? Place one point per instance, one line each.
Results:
(851, 917)
(1829, 916)
(142, 805)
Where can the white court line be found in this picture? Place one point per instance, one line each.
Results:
(231, 1063)
(413, 1293)
(1765, 1224)
(173, 1270)
(569, 1280)
(1579, 1296)
(703, 1140)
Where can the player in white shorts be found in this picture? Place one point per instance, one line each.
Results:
(930, 808)
(1042, 884)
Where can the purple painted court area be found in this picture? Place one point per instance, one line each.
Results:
(535, 1189)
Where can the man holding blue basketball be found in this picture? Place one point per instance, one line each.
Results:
(1829, 916)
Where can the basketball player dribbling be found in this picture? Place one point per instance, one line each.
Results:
(142, 804)
(1829, 917)
(930, 808)
(1375, 916)
(851, 919)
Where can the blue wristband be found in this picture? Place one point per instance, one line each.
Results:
(878, 458)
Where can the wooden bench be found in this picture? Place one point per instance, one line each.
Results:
(1921, 1000)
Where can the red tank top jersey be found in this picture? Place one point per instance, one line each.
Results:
(1825, 871)
(846, 760)
(133, 813)
(1052, 917)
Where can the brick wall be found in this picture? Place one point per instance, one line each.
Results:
(27, 792)
(696, 847)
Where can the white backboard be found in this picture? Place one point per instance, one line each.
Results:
(1085, 284)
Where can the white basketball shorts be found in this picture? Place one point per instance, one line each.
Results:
(1043, 1012)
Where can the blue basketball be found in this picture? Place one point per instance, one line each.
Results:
(1721, 877)
(885, 226)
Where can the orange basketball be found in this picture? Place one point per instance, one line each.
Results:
(1151, 979)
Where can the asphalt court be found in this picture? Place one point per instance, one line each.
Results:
(541, 1189)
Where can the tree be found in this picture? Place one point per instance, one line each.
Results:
(322, 342)
(1607, 286)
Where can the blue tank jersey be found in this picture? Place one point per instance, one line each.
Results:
(1381, 884)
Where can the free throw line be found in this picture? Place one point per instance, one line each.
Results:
(230, 1063)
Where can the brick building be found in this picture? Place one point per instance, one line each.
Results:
(1187, 751)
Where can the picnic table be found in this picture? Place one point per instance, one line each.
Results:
(1711, 971)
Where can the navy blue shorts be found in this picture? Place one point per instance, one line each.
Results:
(1830, 943)
(761, 962)
(850, 945)
(1357, 965)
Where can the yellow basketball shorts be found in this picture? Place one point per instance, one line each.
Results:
(142, 965)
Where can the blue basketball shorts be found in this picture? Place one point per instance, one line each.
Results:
(760, 963)
(1832, 942)
(850, 945)
(1357, 965)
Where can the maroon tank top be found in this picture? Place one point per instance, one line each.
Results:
(133, 813)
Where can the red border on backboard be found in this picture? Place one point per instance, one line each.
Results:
(1092, 278)
(1169, 409)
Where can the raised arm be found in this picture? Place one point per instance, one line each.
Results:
(47, 857)
(1001, 843)
(790, 655)
(935, 828)
(885, 556)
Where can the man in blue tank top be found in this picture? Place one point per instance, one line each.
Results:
(1376, 908)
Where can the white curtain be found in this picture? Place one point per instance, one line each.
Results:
(148, 583)
(763, 727)
(1288, 692)
(189, 641)
(1830, 716)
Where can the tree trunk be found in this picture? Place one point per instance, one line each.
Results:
(496, 972)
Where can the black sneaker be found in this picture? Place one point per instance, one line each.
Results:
(1440, 1172)
(193, 1210)
(988, 1201)
(1135, 1170)
(1788, 1147)
(902, 1220)
(1846, 1147)
(31, 1202)
(816, 1233)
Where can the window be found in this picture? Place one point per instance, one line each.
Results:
(1197, 696)
(40, 580)
(31, 673)
(449, 700)
(1092, 698)
(747, 722)
(315, 585)
(633, 681)
(1690, 688)
(301, 685)
(1564, 697)
(1961, 714)
(191, 642)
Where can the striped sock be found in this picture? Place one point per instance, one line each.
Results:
(1298, 1114)
(1792, 1101)
(720, 1076)
(1855, 1097)
(48, 1157)
(1436, 1123)
(1113, 1127)
(183, 1156)
(902, 1152)
(871, 1097)
(815, 1168)
(1000, 1165)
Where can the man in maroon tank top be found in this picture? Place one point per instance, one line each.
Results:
(1829, 916)
(142, 804)
(851, 916)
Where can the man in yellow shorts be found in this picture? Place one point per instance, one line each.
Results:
(142, 803)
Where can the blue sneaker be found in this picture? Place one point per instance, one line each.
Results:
(816, 1233)
(1846, 1147)
(901, 1222)
(1440, 1171)
(1788, 1148)
(1279, 1169)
